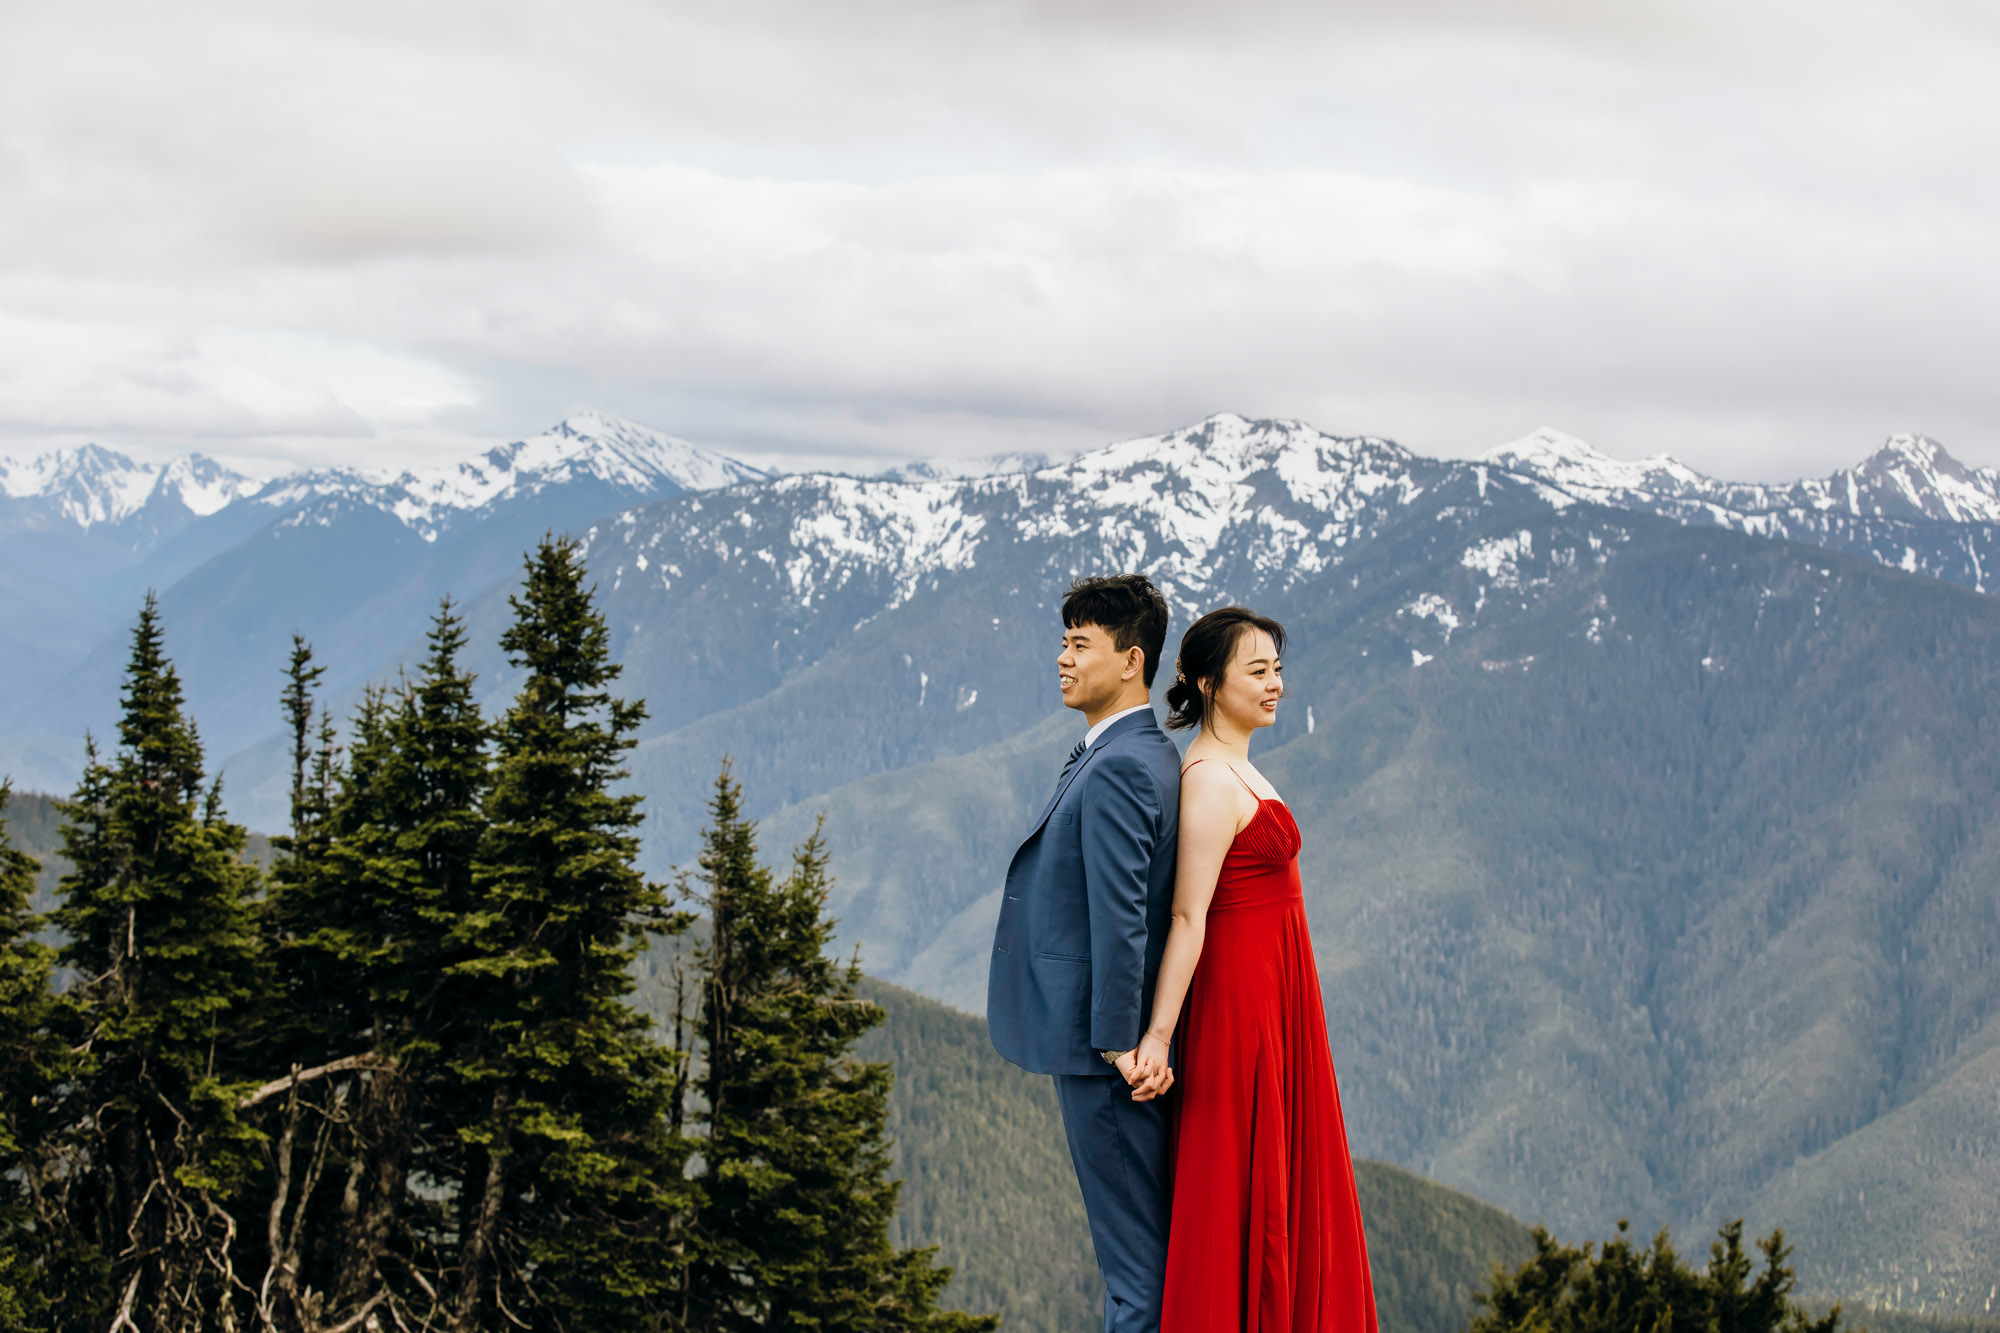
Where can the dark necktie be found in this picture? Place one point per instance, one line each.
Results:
(1070, 762)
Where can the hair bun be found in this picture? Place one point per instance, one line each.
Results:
(1184, 705)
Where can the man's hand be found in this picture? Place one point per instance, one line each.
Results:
(1151, 1076)
(1127, 1065)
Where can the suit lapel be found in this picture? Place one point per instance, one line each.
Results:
(1070, 778)
(1116, 729)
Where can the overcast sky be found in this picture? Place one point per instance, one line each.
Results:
(1760, 236)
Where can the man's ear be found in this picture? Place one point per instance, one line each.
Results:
(1135, 662)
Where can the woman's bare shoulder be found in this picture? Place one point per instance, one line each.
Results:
(1210, 785)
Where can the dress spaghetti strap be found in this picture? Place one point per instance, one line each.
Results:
(1233, 773)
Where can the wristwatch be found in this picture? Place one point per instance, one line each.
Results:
(1113, 1057)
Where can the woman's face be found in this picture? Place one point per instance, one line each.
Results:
(1248, 696)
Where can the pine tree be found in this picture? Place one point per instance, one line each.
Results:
(375, 874)
(1572, 1289)
(302, 884)
(792, 1228)
(569, 1184)
(415, 830)
(157, 916)
(42, 1267)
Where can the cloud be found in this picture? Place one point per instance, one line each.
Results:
(1758, 235)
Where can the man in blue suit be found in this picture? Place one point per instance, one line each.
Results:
(1082, 927)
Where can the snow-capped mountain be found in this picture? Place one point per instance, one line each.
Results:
(1229, 506)
(590, 451)
(951, 469)
(1910, 477)
(1196, 508)
(1910, 504)
(785, 596)
(91, 486)
(1581, 471)
(749, 584)
(1233, 504)
(356, 560)
(741, 614)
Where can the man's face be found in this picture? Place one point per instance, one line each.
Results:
(1091, 670)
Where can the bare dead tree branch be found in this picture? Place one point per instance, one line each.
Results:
(355, 1320)
(340, 1066)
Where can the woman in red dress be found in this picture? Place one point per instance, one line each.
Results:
(1266, 1231)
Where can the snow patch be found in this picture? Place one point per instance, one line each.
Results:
(1430, 606)
(1499, 557)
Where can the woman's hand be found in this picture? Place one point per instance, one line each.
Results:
(1151, 1076)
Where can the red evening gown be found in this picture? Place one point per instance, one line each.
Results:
(1266, 1233)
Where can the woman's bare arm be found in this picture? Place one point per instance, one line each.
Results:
(1212, 814)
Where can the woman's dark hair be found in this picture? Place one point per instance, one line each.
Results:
(1206, 650)
(1127, 607)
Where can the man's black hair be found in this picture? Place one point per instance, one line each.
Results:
(1128, 607)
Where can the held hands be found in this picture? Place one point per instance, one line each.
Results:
(1146, 1069)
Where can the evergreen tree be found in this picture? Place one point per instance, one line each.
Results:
(569, 1184)
(42, 1268)
(301, 879)
(792, 1228)
(157, 916)
(1570, 1289)
(376, 872)
(413, 833)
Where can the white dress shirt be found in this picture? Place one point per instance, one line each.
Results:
(1104, 723)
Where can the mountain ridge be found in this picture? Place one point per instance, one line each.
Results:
(91, 485)
(357, 562)
(1909, 504)
(1908, 477)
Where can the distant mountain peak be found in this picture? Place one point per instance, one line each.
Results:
(1920, 452)
(1587, 472)
(635, 462)
(1549, 443)
(1241, 445)
(591, 424)
(91, 485)
(596, 444)
(1913, 476)
(959, 469)
(1229, 440)
(201, 484)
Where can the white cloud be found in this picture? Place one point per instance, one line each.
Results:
(1758, 235)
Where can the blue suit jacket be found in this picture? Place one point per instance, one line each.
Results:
(1089, 896)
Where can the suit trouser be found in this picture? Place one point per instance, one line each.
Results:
(1120, 1150)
